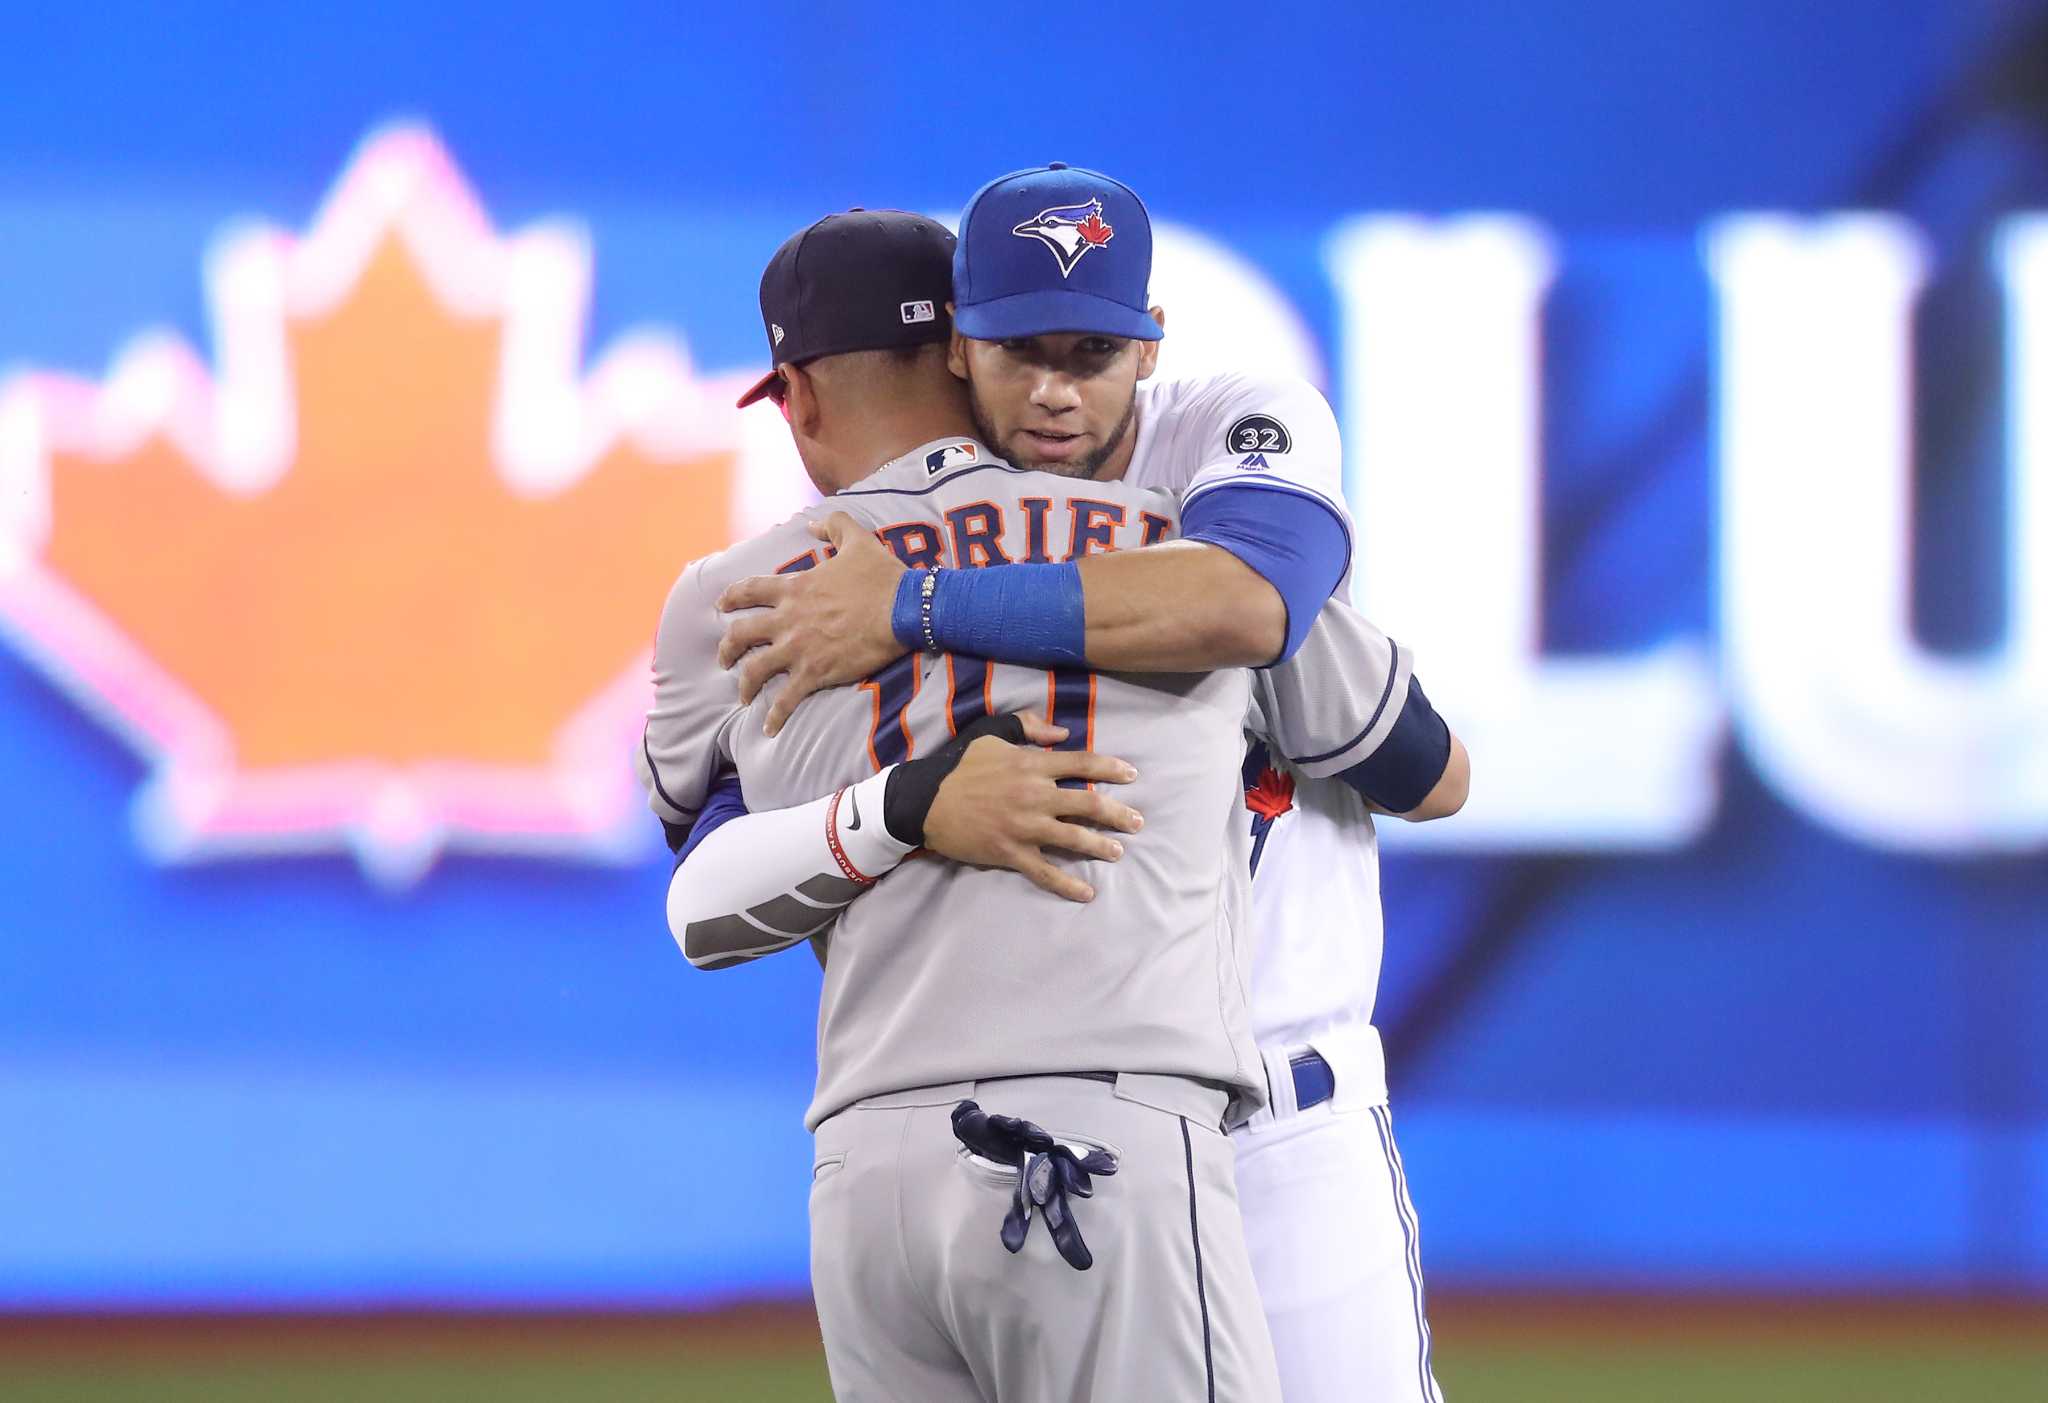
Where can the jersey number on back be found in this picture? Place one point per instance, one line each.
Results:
(970, 695)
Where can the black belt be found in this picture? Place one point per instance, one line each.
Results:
(1314, 1082)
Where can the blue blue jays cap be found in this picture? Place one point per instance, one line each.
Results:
(1053, 249)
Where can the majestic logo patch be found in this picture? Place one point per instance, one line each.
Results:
(1254, 463)
(914, 312)
(953, 455)
(1070, 231)
(1258, 433)
(380, 580)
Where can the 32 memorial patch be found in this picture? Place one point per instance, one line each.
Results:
(1258, 433)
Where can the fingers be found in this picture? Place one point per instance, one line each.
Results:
(759, 667)
(1007, 729)
(1073, 838)
(744, 632)
(1061, 884)
(1085, 764)
(799, 686)
(1039, 731)
(839, 529)
(754, 592)
(821, 531)
(1099, 808)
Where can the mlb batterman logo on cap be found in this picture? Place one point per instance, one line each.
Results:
(866, 280)
(1050, 250)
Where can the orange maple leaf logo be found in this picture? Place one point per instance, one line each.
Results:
(388, 580)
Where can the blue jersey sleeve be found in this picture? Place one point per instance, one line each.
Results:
(1293, 538)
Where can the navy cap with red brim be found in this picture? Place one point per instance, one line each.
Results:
(759, 389)
(865, 280)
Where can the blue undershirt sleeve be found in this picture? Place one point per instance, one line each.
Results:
(722, 804)
(1399, 774)
(1296, 542)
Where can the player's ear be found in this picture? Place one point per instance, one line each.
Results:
(956, 350)
(801, 401)
(1148, 351)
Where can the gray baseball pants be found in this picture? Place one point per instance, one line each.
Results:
(920, 1302)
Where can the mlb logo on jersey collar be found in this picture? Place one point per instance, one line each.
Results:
(953, 455)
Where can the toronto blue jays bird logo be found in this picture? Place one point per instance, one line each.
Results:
(1070, 231)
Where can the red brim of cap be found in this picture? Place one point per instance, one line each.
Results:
(759, 390)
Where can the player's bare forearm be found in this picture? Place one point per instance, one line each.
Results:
(1181, 606)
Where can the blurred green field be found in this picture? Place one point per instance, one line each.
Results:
(1585, 1357)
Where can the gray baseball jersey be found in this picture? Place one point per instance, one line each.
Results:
(945, 972)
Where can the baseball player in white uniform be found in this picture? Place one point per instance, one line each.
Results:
(1331, 1227)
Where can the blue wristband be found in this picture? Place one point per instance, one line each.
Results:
(1029, 614)
(906, 615)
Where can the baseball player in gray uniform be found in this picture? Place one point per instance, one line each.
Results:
(945, 973)
(1118, 1026)
(1345, 1300)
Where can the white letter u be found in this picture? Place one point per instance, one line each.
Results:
(1841, 709)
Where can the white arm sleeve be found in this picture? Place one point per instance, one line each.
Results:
(762, 882)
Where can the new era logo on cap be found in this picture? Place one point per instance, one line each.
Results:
(778, 332)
